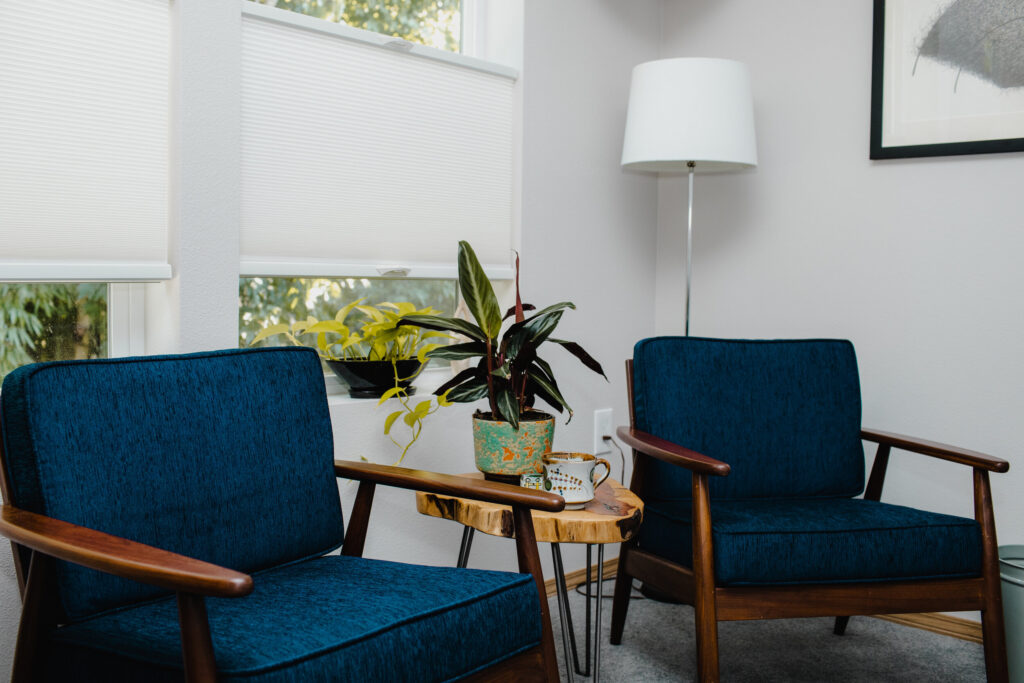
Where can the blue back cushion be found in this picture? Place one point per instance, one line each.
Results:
(223, 456)
(784, 414)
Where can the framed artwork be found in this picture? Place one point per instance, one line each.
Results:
(947, 78)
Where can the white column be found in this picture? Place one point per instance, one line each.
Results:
(198, 308)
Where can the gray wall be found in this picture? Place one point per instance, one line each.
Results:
(916, 261)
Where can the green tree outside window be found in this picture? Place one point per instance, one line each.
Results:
(436, 23)
(52, 321)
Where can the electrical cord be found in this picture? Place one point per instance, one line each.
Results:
(607, 438)
(634, 587)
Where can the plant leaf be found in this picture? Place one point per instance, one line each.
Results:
(508, 407)
(391, 420)
(393, 391)
(550, 388)
(577, 350)
(270, 331)
(467, 392)
(459, 351)
(464, 376)
(327, 326)
(512, 310)
(343, 313)
(421, 354)
(437, 322)
(478, 292)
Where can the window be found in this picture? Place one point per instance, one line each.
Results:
(52, 321)
(271, 300)
(434, 23)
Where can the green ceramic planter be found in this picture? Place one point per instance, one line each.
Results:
(503, 453)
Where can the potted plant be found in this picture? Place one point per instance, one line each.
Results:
(511, 437)
(373, 355)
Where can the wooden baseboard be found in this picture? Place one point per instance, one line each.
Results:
(573, 579)
(947, 625)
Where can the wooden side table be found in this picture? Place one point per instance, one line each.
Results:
(613, 516)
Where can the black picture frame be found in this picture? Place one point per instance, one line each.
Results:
(878, 149)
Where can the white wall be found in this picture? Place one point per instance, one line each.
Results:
(588, 235)
(916, 261)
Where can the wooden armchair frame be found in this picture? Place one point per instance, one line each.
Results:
(191, 579)
(714, 603)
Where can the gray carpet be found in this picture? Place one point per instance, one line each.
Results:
(658, 645)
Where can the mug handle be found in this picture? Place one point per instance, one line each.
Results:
(607, 471)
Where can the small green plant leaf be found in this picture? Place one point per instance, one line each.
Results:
(421, 354)
(393, 391)
(390, 420)
(327, 326)
(270, 331)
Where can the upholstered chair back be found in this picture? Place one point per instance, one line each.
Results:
(784, 414)
(223, 456)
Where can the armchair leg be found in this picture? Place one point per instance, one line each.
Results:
(620, 603)
(840, 627)
(529, 562)
(196, 645)
(992, 614)
(38, 615)
(705, 612)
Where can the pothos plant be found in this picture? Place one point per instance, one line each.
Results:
(379, 336)
(509, 372)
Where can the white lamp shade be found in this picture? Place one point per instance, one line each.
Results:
(683, 110)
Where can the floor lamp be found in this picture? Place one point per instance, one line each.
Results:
(690, 114)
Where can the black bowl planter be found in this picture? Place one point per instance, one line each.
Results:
(371, 378)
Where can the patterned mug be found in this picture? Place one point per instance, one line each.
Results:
(571, 475)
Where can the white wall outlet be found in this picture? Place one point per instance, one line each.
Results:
(602, 427)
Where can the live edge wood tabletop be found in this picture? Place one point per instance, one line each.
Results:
(613, 516)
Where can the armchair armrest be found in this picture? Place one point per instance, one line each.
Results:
(936, 450)
(120, 556)
(671, 453)
(448, 484)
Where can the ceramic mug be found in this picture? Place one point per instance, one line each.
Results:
(571, 475)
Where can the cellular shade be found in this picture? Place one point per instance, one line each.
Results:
(84, 118)
(361, 159)
(690, 109)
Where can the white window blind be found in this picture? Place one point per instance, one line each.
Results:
(358, 159)
(84, 119)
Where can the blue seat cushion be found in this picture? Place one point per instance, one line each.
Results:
(837, 540)
(333, 618)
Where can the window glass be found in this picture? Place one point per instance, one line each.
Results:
(267, 301)
(51, 321)
(435, 23)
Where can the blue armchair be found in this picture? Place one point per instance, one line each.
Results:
(748, 457)
(172, 518)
